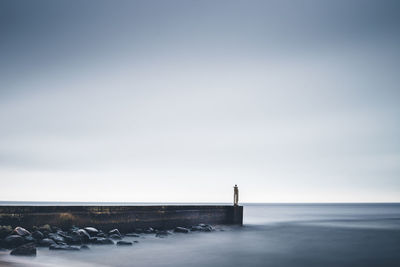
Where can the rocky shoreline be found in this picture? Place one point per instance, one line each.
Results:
(22, 242)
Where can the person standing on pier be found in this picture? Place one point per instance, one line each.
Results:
(236, 195)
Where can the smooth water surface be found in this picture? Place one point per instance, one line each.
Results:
(273, 235)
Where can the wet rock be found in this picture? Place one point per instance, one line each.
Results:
(101, 241)
(63, 247)
(24, 250)
(73, 229)
(55, 229)
(56, 237)
(84, 247)
(124, 243)
(181, 230)
(149, 230)
(5, 230)
(21, 231)
(132, 235)
(162, 234)
(115, 237)
(84, 235)
(101, 234)
(38, 235)
(13, 241)
(45, 228)
(202, 228)
(114, 232)
(29, 239)
(46, 242)
(91, 231)
(74, 239)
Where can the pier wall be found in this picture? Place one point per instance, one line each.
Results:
(125, 218)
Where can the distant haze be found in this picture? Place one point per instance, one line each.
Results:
(294, 101)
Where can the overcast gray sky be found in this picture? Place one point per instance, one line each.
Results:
(295, 101)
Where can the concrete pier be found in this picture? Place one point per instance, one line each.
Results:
(125, 218)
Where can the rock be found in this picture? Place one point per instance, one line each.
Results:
(73, 228)
(46, 242)
(84, 235)
(149, 230)
(56, 237)
(91, 231)
(163, 234)
(24, 250)
(38, 235)
(45, 228)
(72, 239)
(181, 230)
(202, 228)
(115, 236)
(5, 230)
(21, 231)
(124, 243)
(101, 234)
(55, 229)
(63, 247)
(29, 239)
(132, 235)
(13, 241)
(101, 241)
(114, 232)
(83, 247)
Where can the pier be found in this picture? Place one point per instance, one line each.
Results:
(126, 218)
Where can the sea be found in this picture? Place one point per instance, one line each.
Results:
(276, 235)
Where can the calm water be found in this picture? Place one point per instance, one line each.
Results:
(273, 235)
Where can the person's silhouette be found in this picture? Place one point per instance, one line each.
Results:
(236, 195)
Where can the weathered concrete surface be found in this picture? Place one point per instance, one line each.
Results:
(126, 218)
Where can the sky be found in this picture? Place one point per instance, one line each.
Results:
(177, 101)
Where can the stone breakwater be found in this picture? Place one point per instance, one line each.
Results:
(24, 242)
(127, 218)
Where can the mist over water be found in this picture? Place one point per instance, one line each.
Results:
(272, 235)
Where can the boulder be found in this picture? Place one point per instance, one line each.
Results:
(91, 231)
(46, 242)
(56, 237)
(63, 247)
(72, 239)
(202, 228)
(162, 234)
(114, 232)
(21, 231)
(181, 230)
(149, 230)
(24, 250)
(38, 235)
(101, 234)
(83, 247)
(124, 243)
(84, 235)
(73, 228)
(45, 228)
(29, 239)
(13, 241)
(5, 230)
